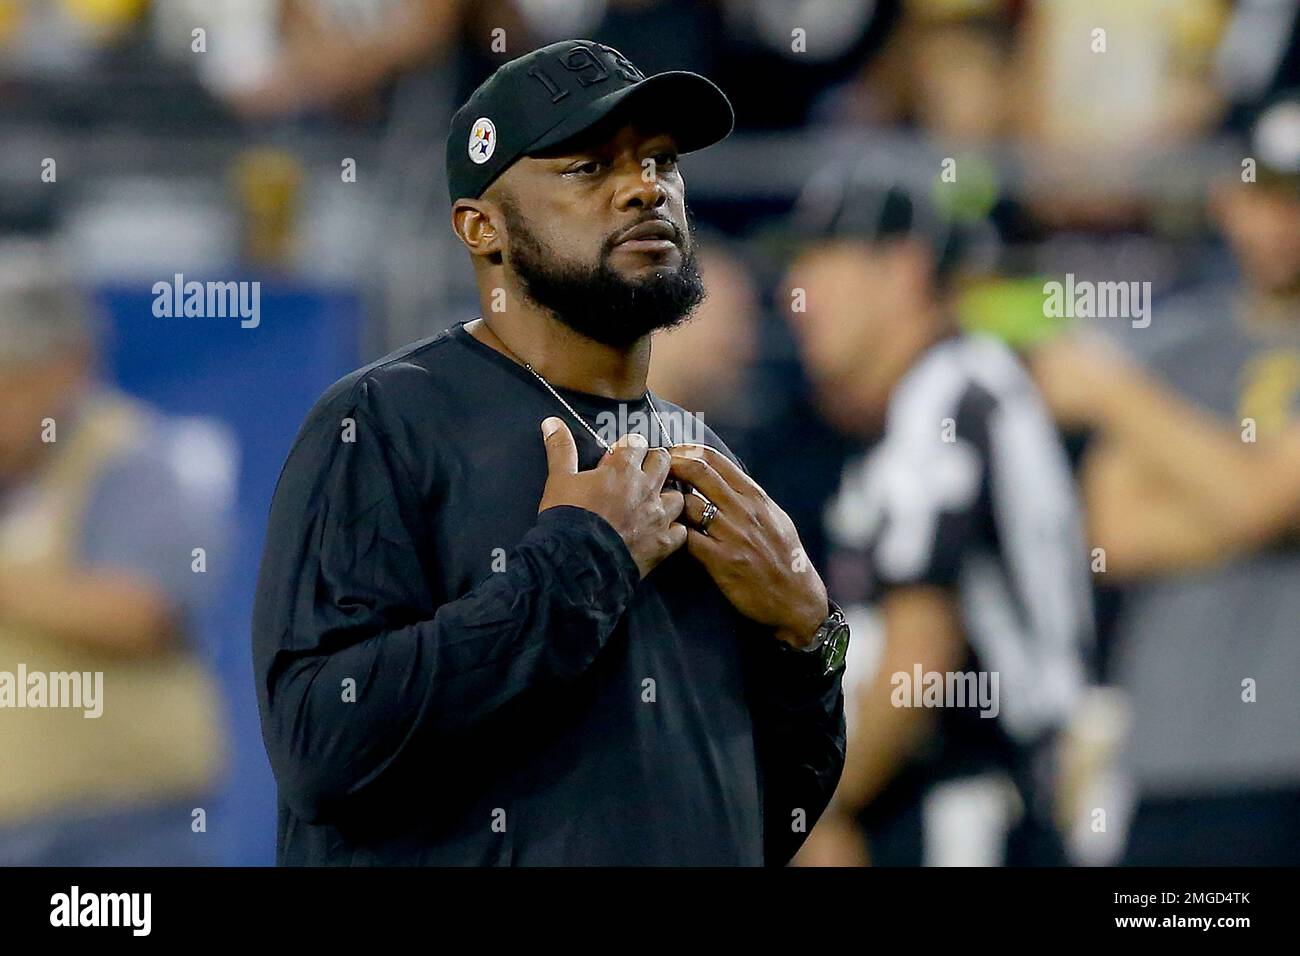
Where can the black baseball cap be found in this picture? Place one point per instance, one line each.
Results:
(545, 98)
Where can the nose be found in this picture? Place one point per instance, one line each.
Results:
(635, 192)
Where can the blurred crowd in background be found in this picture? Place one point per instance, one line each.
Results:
(299, 143)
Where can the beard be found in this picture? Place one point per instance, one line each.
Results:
(597, 301)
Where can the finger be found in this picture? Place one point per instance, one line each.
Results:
(700, 474)
(656, 464)
(676, 483)
(703, 548)
(676, 536)
(730, 472)
(693, 510)
(630, 450)
(672, 502)
(561, 452)
(693, 516)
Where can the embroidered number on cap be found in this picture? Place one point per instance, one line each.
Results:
(540, 76)
(579, 59)
(625, 67)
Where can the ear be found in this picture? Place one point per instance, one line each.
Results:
(479, 224)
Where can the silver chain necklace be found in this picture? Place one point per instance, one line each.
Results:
(663, 429)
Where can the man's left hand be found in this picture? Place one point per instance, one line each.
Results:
(752, 550)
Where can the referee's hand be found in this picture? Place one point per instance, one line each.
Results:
(625, 488)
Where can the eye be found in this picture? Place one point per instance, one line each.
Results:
(588, 168)
(666, 160)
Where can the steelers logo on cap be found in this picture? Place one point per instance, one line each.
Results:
(482, 140)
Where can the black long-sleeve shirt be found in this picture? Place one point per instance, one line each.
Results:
(447, 677)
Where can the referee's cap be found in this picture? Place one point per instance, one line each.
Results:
(857, 202)
(543, 99)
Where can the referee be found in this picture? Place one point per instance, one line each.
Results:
(488, 629)
(959, 524)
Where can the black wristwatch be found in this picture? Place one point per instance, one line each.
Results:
(830, 643)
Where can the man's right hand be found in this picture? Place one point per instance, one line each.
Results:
(626, 489)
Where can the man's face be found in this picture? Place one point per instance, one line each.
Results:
(856, 296)
(567, 215)
(1263, 225)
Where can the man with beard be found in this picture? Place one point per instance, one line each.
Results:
(486, 633)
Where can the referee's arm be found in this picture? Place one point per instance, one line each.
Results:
(922, 627)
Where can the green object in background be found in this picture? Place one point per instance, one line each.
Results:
(1011, 309)
(971, 196)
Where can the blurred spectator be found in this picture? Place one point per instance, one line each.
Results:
(1120, 75)
(960, 525)
(1192, 486)
(102, 505)
(1110, 89)
(395, 66)
(315, 53)
(947, 71)
(705, 365)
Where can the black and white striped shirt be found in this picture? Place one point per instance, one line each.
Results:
(970, 488)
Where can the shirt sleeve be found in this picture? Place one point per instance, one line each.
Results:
(800, 738)
(362, 677)
(928, 495)
(799, 734)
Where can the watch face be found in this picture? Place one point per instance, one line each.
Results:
(837, 647)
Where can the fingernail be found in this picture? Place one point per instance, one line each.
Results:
(549, 426)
